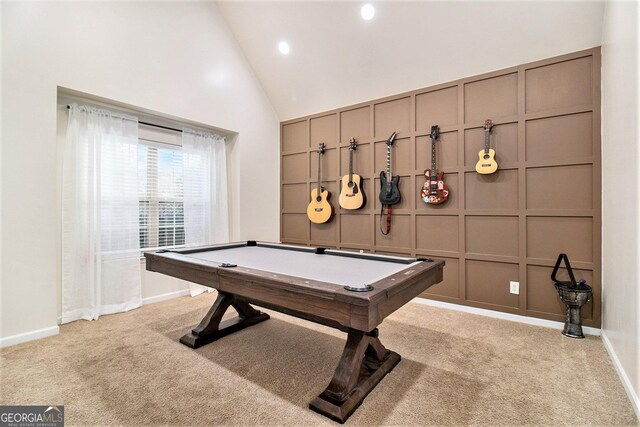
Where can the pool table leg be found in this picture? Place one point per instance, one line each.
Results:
(212, 327)
(364, 362)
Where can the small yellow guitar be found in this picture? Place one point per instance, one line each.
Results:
(320, 210)
(351, 194)
(487, 162)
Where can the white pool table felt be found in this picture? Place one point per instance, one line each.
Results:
(341, 270)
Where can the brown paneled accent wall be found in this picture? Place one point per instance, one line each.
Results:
(508, 226)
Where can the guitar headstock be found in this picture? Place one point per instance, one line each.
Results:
(321, 148)
(488, 125)
(352, 144)
(391, 138)
(435, 132)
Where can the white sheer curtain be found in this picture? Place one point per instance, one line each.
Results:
(101, 247)
(206, 217)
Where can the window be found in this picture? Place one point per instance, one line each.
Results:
(161, 191)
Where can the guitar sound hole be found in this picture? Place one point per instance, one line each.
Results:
(350, 185)
(486, 157)
(318, 199)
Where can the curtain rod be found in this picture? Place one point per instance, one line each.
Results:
(151, 124)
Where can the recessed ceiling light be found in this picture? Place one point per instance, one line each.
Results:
(367, 12)
(283, 47)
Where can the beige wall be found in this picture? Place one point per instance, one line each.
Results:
(620, 165)
(175, 58)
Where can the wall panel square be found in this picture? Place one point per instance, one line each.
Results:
(295, 227)
(491, 98)
(492, 235)
(400, 235)
(547, 237)
(355, 229)
(542, 295)
(560, 187)
(323, 129)
(451, 179)
(400, 157)
(561, 85)
(496, 191)
(295, 197)
(392, 116)
(328, 165)
(295, 167)
(325, 234)
(361, 160)
(294, 136)
(446, 151)
(437, 233)
(355, 124)
(488, 282)
(439, 107)
(561, 138)
(503, 139)
(449, 285)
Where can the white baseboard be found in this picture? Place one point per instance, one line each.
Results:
(506, 316)
(55, 330)
(624, 378)
(29, 336)
(164, 297)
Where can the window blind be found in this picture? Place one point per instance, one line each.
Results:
(161, 193)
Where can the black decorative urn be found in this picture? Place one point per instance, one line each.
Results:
(574, 295)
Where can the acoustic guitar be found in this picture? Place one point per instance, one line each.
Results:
(487, 158)
(434, 190)
(389, 192)
(320, 210)
(351, 194)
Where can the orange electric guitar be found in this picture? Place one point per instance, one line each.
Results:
(487, 158)
(434, 190)
(320, 210)
(351, 194)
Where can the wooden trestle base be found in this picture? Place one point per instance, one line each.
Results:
(211, 328)
(364, 362)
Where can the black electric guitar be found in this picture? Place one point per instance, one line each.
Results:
(434, 190)
(320, 209)
(389, 192)
(351, 194)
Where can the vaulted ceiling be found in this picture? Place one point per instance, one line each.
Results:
(337, 58)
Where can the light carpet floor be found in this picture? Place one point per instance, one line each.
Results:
(456, 369)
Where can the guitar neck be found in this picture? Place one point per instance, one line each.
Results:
(487, 133)
(434, 172)
(351, 165)
(389, 162)
(318, 186)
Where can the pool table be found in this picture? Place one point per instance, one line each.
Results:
(350, 291)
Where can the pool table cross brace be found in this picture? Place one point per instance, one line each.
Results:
(364, 362)
(212, 328)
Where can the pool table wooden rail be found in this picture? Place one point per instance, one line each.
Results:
(326, 303)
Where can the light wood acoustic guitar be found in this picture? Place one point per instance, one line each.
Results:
(351, 194)
(434, 190)
(320, 209)
(487, 157)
